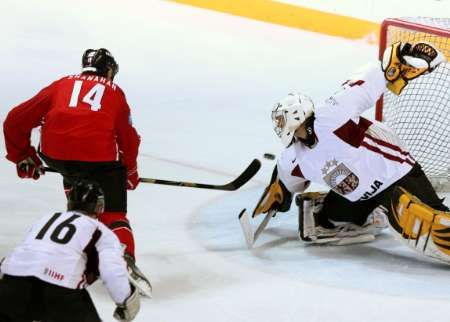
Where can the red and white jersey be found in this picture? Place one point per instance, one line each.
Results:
(63, 248)
(355, 157)
(82, 117)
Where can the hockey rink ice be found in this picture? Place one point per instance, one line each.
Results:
(201, 86)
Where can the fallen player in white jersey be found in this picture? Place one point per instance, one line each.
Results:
(367, 167)
(44, 278)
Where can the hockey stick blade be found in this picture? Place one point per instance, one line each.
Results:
(246, 228)
(250, 236)
(242, 179)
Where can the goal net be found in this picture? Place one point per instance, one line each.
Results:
(421, 113)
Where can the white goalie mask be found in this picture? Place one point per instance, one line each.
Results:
(289, 113)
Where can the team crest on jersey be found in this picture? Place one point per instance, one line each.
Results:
(339, 178)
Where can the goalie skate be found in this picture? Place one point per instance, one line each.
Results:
(348, 233)
(137, 278)
(343, 233)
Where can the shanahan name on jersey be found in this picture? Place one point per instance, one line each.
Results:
(94, 78)
(64, 248)
(355, 157)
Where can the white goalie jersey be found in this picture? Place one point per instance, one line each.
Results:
(355, 157)
(63, 248)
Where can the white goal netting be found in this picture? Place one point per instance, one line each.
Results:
(421, 114)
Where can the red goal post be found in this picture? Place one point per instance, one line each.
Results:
(421, 114)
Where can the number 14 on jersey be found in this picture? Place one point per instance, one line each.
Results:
(93, 97)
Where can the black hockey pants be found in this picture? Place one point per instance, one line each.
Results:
(111, 176)
(27, 299)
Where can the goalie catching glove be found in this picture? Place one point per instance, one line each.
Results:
(275, 196)
(403, 62)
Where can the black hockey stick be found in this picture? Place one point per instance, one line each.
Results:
(242, 179)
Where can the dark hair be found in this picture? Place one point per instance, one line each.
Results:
(85, 195)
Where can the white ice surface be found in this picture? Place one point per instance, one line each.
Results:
(201, 85)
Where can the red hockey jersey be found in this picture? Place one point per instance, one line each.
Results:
(82, 117)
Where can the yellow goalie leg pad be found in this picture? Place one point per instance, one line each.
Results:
(424, 229)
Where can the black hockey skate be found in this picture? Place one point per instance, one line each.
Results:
(137, 278)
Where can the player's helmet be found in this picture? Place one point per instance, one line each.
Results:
(289, 113)
(99, 61)
(86, 195)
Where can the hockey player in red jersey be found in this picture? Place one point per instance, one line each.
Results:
(363, 162)
(44, 278)
(86, 132)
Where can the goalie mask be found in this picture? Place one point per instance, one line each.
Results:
(99, 61)
(289, 114)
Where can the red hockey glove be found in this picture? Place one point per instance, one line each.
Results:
(132, 179)
(31, 167)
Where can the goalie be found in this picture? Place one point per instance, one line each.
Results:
(370, 172)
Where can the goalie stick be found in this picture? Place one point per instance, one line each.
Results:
(242, 179)
(250, 236)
